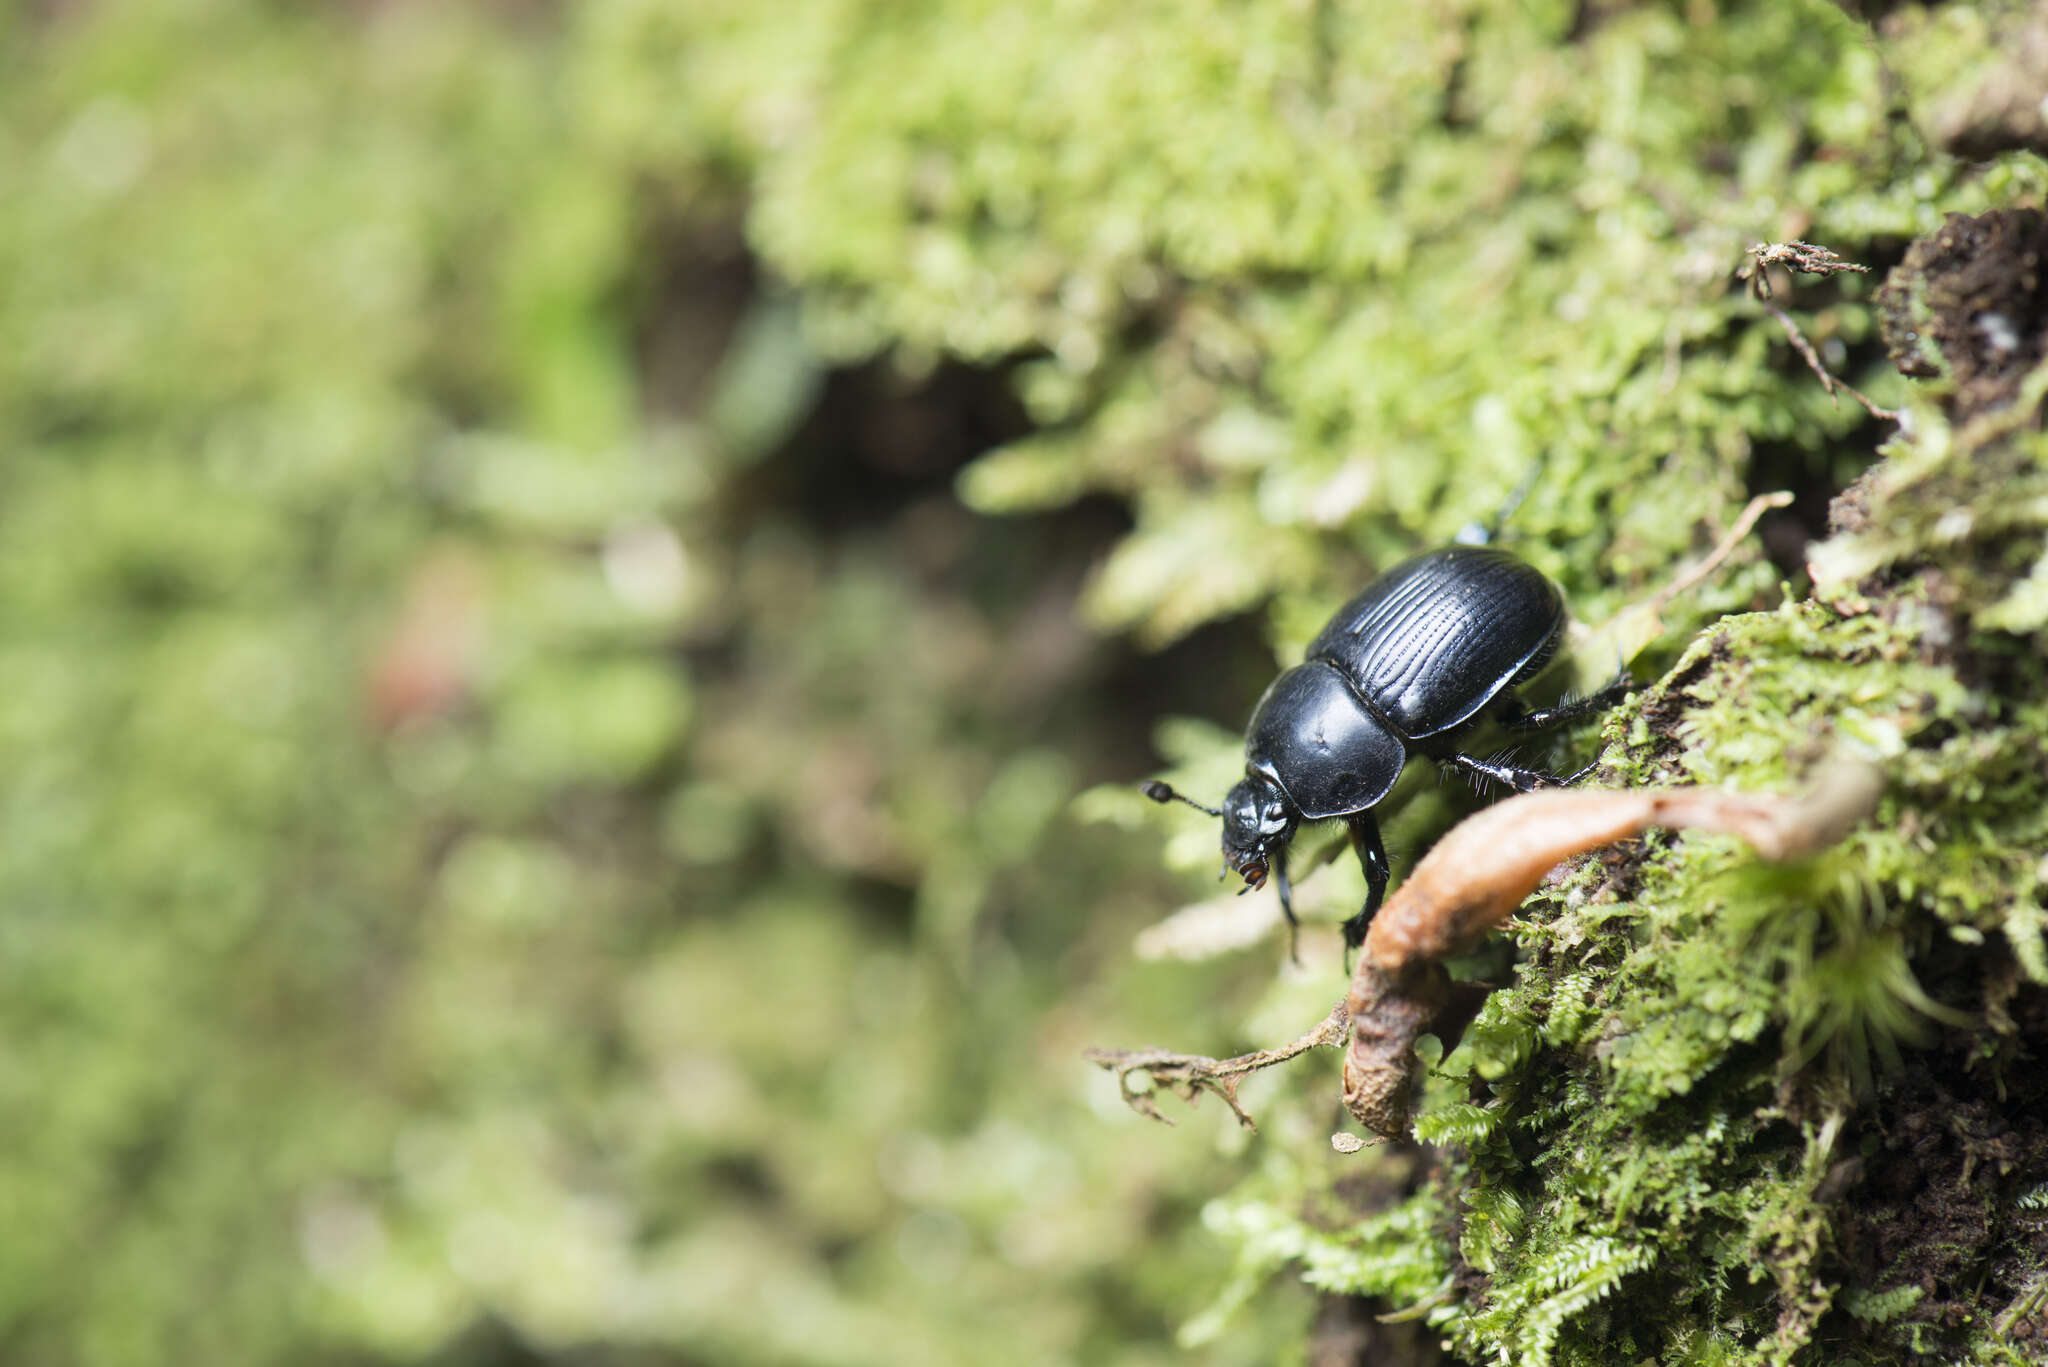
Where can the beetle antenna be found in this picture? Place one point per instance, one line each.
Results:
(1486, 533)
(1160, 792)
(1514, 501)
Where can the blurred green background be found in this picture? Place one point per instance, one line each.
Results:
(534, 821)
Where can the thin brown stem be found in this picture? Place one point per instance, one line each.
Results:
(1829, 381)
(1809, 259)
(1753, 510)
(1189, 1075)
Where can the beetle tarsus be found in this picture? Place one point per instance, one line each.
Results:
(1486, 533)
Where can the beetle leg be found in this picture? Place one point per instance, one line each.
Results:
(1285, 887)
(1515, 717)
(1372, 856)
(1571, 780)
(1520, 779)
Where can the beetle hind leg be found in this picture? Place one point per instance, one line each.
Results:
(1515, 717)
(1512, 775)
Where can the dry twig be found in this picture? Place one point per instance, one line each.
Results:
(1808, 259)
(1189, 1075)
(1725, 547)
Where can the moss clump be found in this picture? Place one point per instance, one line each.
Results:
(1307, 292)
(1967, 304)
(1735, 1115)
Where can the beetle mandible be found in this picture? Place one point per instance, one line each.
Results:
(1408, 667)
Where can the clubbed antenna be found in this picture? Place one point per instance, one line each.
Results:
(1160, 792)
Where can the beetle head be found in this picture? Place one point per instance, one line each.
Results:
(1257, 819)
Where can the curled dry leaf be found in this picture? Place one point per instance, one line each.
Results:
(1475, 877)
(1468, 883)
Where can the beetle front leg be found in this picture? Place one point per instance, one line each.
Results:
(1285, 887)
(1372, 857)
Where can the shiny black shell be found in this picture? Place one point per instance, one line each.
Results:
(1416, 656)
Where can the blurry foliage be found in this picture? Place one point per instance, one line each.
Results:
(483, 876)
(537, 824)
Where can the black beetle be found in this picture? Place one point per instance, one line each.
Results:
(1406, 668)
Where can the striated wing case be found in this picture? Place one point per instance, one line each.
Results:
(1434, 639)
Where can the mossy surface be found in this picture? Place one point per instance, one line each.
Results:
(1676, 1136)
(1729, 1114)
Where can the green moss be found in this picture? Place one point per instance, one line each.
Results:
(1420, 262)
(1316, 299)
(1642, 1124)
